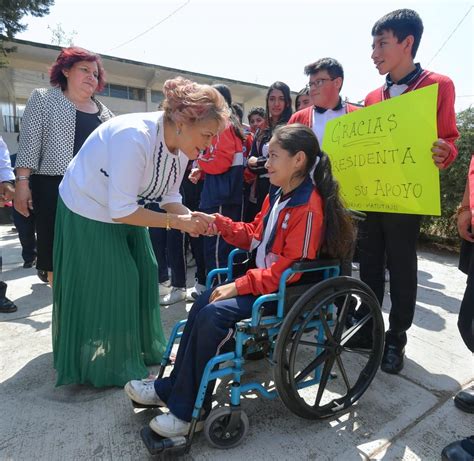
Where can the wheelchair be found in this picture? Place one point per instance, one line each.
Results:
(316, 372)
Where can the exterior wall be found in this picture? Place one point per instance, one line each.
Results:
(28, 69)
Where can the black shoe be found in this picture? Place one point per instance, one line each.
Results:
(29, 264)
(7, 306)
(461, 450)
(43, 276)
(361, 340)
(392, 360)
(464, 400)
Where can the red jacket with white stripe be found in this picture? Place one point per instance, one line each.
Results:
(446, 116)
(296, 236)
(305, 116)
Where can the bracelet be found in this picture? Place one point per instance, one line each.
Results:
(168, 227)
(462, 209)
(22, 178)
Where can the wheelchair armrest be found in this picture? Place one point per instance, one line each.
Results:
(304, 266)
(227, 270)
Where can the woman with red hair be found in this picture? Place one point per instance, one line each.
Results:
(55, 125)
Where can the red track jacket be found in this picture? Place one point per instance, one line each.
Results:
(296, 236)
(446, 119)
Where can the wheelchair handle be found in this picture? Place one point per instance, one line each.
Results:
(357, 215)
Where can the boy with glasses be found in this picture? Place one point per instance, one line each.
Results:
(326, 77)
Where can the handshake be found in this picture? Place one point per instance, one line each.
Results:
(197, 223)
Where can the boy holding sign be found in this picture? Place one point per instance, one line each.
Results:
(396, 37)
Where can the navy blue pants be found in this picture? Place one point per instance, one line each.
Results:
(191, 196)
(27, 234)
(209, 327)
(168, 247)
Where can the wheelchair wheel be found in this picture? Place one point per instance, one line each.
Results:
(219, 431)
(317, 371)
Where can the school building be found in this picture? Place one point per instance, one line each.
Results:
(132, 86)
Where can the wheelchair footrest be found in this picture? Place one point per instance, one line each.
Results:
(141, 405)
(157, 444)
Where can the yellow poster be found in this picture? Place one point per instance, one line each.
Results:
(381, 155)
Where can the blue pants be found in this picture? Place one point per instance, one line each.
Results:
(169, 252)
(209, 327)
(191, 196)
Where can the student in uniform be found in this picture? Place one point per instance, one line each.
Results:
(278, 112)
(256, 118)
(326, 77)
(222, 167)
(396, 37)
(300, 215)
(302, 100)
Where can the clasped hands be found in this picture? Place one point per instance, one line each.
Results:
(198, 223)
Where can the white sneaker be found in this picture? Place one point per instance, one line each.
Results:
(193, 293)
(143, 392)
(174, 296)
(168, 425)
(164, 288)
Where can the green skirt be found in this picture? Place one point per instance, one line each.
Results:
(106, 313)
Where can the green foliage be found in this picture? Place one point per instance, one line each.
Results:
(11, 13)
(453, 182)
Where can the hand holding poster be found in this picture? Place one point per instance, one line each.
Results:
(381, 155)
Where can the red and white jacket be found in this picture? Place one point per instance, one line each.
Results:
(296, 236)
(446, 116)
(305, 116)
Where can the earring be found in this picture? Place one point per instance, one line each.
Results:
(178, 131)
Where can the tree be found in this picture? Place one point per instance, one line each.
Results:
(11, 14)
(453, 180)
(59, 36)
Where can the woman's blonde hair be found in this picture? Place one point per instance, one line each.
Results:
(189, 102)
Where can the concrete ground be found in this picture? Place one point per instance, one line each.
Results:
(410, 416)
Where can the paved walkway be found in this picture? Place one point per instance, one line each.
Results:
(410, 416)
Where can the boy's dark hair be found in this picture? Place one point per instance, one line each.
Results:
(332, 66)
(256, 111)
(338, 229)
(402, 23)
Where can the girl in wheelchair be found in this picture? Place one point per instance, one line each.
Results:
(301, 216)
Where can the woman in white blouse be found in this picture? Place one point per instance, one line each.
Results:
(106, 318)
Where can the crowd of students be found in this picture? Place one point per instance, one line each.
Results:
(229, 198)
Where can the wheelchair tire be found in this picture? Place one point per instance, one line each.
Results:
(215, 428)
(304, 363)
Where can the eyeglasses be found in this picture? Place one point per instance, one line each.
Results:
(318, 83)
